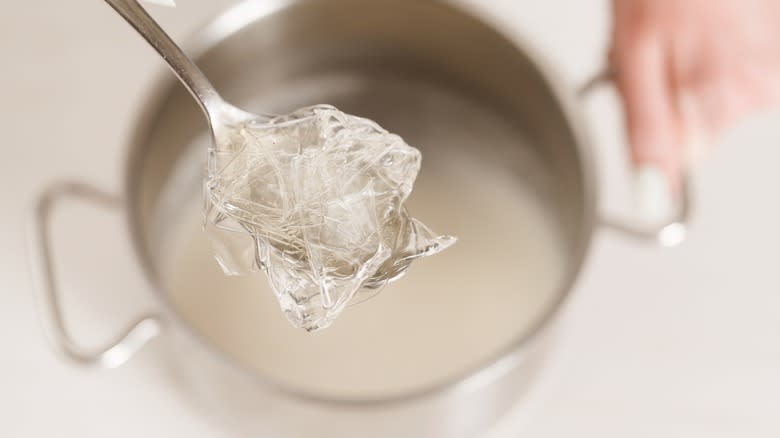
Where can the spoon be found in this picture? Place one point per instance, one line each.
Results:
(221, 116)
(227, 122)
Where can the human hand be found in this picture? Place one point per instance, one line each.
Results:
(687, 69)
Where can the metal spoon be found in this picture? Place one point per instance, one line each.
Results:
(221, 115)
(223, 118)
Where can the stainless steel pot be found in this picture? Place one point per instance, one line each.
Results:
(387, 60)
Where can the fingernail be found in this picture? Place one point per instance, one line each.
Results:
(170, 3)
(653, 194)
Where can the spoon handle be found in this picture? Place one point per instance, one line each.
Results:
(186, 70)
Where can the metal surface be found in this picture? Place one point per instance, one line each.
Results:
(668, 234)
(132, 338)
(424, 69)
(182, 66)
(219, 114)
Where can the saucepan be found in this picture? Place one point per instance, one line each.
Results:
(445, 80)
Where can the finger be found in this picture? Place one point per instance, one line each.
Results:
(715, 95)
(696, 129)
(753, 88)
(651, 116)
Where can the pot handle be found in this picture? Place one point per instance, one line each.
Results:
(668, 234)
(132, 338)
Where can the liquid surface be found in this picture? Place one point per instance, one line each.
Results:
(451, 313)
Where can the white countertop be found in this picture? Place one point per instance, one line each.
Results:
(682, 342)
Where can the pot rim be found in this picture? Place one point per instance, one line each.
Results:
(491, 368)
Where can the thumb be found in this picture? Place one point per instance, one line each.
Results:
(651, 120)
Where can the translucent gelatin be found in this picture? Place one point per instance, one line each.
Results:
(315, 199)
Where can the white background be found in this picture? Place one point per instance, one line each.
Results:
(656, 342)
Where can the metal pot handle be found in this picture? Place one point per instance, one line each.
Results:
(668, 234)
(132, 338)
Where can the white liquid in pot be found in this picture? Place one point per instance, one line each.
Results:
(450, 314)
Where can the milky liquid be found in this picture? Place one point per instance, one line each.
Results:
(448, 315)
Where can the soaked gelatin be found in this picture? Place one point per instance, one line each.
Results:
(316, 200)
